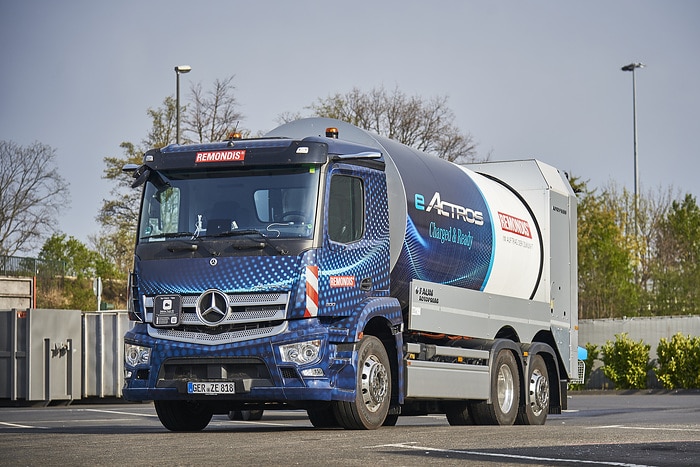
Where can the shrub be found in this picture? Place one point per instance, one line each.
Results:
(679, 362)
(626, 362)
(593, 355)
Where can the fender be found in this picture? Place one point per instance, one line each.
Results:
(347, 333)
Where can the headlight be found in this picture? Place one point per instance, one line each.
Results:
(301, 353)
(135, 355)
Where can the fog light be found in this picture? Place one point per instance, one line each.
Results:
(135, 355)
(301, 353)
(313, 372)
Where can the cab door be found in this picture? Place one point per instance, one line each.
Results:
(354, 262)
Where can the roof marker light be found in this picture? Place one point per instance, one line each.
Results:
(332, 132)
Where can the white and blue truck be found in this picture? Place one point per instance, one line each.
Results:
(325, 268)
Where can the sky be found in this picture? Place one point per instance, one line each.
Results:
(527, 79)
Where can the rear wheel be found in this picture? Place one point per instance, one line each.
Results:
(536, 407)
(505, 394)
(458, 414)
(183, 415)
(372, 392)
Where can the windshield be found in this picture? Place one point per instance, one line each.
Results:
(275, 203)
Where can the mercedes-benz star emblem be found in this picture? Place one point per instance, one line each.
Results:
(212, 307)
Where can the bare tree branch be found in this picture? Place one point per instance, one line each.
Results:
(425, 125)
(32, 193)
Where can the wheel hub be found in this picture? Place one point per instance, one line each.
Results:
(539, 392)
(375, 383)
(506, 388)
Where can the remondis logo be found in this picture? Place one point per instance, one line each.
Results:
(446, 209)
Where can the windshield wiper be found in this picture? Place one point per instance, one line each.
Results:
(170, 235)
(183, 247)
(260, 245)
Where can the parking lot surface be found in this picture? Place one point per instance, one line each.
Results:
(598, 429)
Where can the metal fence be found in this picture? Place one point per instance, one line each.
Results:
(18, 266)
(28, 267)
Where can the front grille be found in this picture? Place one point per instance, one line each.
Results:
(248, 373)
(221, 369)
(250, 316)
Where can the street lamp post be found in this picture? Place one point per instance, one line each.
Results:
(631, 67)
(179, 70)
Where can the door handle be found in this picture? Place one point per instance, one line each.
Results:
(366, 284)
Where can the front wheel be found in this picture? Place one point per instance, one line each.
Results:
(372, 390)
(505, 393)
(183, 415)
(322, 417)
(536, 407)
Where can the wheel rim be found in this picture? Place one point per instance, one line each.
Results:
(506, 388)
(539, 392)
(375, 383)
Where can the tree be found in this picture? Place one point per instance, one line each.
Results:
(676, 278)
(640, 234)
(119, 214)
(63, 256)
(32, 194)
(67, 267)
(424, 125)
(605, 263)
(210, 118)
(213, 114)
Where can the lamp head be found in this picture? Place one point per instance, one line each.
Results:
(632, 66)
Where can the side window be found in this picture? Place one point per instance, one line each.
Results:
(346, 209)
(163, 213)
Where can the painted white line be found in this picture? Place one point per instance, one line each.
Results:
(117, 412)
(256, 423)
(653, 428)
(16, 425)
(505, 456)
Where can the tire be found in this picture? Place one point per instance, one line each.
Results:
(323, 418)
(391, 420)
(537, 394)
(245, 415)
(505, 393)
(183, 415)
(252, 415)
(372, 389)
(458, 413)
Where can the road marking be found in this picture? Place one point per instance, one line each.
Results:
(15, 425)
(245, 422)
(117, 412)
(654, 428)
(412, 446)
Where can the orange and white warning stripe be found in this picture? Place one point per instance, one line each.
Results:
(311, 291)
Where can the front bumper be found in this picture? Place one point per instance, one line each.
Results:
(256, 368)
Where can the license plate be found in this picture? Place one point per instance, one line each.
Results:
(210, 388)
